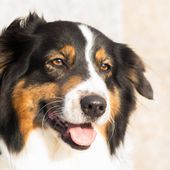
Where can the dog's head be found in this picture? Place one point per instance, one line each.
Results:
(68, 77)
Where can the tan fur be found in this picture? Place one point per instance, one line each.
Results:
(65, 53)
(115, 106)
(25, 102)
(69, 51)
(71, 82)
(101, 54)
(102, 57)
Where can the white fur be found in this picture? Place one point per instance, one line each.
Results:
(43, 151)
(94, 84)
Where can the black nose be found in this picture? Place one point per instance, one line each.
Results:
(93, 105)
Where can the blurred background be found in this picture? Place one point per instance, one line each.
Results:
(145, 26)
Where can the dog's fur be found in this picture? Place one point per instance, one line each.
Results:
(46, 69)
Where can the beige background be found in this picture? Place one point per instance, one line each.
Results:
(147, 29)
(145, 26)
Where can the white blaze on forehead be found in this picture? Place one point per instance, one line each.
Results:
(93, 85)
(96, 81)
(88, 35)
(89, 42)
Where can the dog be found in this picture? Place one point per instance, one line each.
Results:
(66, 94)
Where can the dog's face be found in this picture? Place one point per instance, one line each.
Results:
(67, 77)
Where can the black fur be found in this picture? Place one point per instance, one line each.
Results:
(25, 43)
(127, 60)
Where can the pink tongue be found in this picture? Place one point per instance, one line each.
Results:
(82, 136)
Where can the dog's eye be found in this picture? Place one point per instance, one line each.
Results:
(105, 67)
(57, 62)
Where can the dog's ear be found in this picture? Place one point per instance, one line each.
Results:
(17, 39)
(134, 69)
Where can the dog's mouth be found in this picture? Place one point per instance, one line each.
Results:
(78, 136)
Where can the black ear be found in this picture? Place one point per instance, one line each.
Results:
(134, 68)
(18, 39)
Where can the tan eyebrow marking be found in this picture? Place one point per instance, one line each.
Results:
(102, 56)
(69, 50)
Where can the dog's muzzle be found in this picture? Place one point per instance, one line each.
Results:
(79, 136)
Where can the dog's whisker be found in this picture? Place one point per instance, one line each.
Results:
(50, 103)
(57, 110)
(43, 120)
(112, 122)
(111, 119)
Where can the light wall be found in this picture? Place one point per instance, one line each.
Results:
(106, 16)
(146, 28)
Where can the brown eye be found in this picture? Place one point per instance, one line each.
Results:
(57, 62)
(105, 67)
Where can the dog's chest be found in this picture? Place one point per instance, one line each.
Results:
(43, 152)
